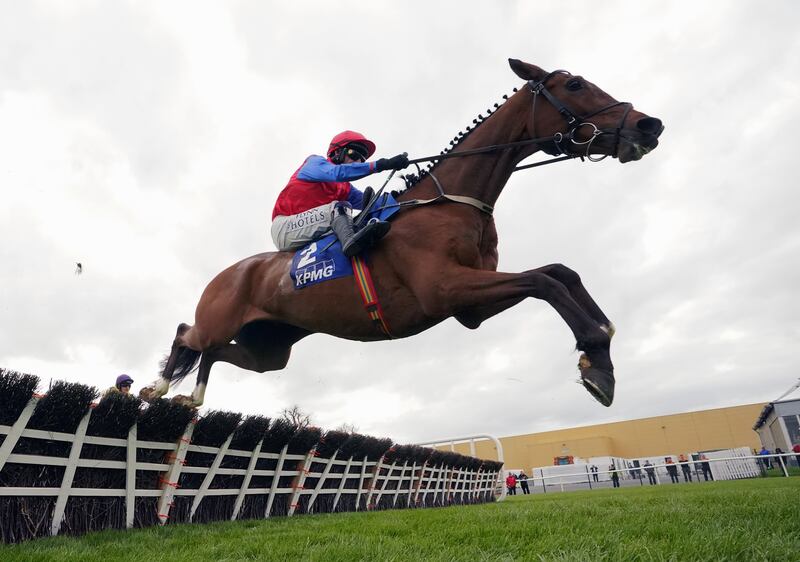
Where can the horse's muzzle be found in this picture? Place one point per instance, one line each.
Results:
(635, 143)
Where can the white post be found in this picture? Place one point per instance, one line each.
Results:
(321, 481)
(386, 481)
(361, 480)
(411, 485)
(130, 477)
(400, 483)
(377, 475)
(16, 430)
(440, 484)
(170, 482)
(69, 473)
(447, 491)
(417, 488)
(427, 482)
(275, 479)
(477, 480)
(460, 486)
(342, 483)
(246, 482)
(201, 492)
(297, 487)
(783, 466)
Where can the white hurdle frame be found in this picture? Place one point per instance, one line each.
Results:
(412, 480)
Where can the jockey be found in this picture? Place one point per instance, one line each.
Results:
(320, 198)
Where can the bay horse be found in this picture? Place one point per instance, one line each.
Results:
(439, 260)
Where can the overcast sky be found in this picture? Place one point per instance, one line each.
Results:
(149, 140)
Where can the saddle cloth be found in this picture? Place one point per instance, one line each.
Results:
(323, 260)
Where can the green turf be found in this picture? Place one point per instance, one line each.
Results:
(744, 520)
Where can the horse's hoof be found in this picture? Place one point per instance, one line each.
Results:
(184, 400)
(148, 394)
(600, 384)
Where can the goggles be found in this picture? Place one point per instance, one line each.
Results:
(356, 152)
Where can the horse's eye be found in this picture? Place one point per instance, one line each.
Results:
(574, 85)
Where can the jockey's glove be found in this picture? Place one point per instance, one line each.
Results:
(394, 163)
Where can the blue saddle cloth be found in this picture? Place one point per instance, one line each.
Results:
(323, 260)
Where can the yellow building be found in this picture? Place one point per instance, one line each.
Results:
(706, 430)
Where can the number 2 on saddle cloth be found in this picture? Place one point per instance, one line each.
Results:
(323, 260)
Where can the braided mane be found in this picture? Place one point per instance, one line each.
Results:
(412, 179)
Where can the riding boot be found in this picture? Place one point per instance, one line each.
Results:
(353, 243)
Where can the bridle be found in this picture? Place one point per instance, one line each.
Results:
(574, 123)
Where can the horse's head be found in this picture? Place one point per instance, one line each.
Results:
(582, 119)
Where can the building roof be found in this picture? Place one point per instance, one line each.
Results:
(768, 409)
(762, 417)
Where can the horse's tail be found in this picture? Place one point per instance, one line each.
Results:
(186, 362)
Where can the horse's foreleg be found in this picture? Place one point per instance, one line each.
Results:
(474, 295)
(572, 281)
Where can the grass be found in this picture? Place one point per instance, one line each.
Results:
(755, 519)
(776, 472)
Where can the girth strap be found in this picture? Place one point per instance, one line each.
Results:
(369, 295)
(477, 203)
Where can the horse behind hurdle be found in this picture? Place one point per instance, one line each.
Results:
(440, 258)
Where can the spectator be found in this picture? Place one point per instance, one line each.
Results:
(779, 460)
(706, 466)
(593, 469)
(651, 472)
(764, 452)
(685, 468)
(672, 470)
(614, 475)
(523, 482)
(122, 386)
(511, 484)
(796, 451)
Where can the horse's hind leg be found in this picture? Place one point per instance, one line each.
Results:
(260, 347)
(238, 355)
(179, 353)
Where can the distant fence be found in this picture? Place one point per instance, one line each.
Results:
(728, 464)
(471, 440)
(68, 466)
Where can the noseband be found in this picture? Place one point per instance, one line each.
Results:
(576, 122)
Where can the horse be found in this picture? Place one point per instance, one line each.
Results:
(440, 258)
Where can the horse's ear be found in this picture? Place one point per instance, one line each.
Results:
(526, 71)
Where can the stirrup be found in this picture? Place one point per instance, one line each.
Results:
(366, 237)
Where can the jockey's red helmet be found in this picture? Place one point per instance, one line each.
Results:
(346, 137)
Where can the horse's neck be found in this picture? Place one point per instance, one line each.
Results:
(483, 176)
